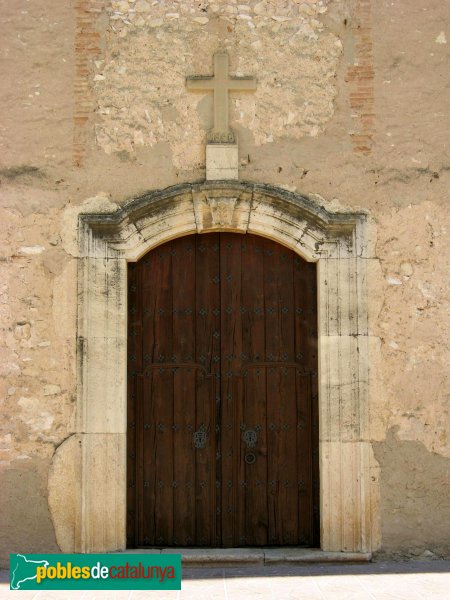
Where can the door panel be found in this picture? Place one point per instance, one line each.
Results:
(270, 373)
(176, 297)
(222, 414)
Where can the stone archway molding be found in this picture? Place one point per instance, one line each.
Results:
(87, 482)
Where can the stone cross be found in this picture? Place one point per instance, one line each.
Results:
(221, 83)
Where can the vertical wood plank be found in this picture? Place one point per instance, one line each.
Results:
(231, 350)
(208, 335)
(305, 292)
(253, 496)
(280, 262)
(273, 351)
(184, 389)
(157, 348)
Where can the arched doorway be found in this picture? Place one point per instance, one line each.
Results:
(222, 439)
(88, 480)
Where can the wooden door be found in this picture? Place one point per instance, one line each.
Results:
(222, 395)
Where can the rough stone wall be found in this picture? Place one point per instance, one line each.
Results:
(293, 53)
(352, 105)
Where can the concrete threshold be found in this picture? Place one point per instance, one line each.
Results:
(241, 557)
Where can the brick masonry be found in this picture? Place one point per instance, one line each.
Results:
(87, 49)
(360, 76)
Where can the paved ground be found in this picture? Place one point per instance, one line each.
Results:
(377, 581)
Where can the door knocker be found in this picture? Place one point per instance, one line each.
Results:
(250, 458)
(200, 437)
(250, 437)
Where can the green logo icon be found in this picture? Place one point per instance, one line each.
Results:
(95, 572)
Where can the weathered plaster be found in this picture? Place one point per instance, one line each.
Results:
(404, 466)
(24, 514)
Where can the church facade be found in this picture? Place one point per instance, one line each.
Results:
(225, 276)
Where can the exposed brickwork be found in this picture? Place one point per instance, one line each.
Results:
(360, 77)
(87, 49)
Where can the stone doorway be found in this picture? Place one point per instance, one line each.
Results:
(91, 465)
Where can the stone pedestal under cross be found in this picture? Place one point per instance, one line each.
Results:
(221, 149)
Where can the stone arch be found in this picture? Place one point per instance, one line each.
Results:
(338, 242)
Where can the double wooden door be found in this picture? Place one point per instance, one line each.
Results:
(222, 395)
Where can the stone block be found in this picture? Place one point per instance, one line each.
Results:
(103, 366)
(343, 387)
(265, 221)
(345, 496)
(274, 556)
(344, 360)
(102, 303)
(342, 297)
(163, 222)
(218, 556)
(64, 492)
(221, 161)
(366, 238)
(226, 211)
(104, 480)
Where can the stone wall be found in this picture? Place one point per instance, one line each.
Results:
(351, 109)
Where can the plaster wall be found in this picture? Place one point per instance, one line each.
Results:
(351, 110)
